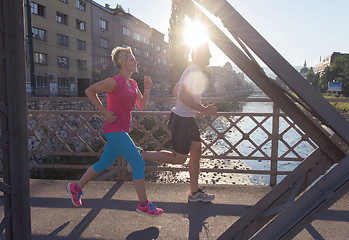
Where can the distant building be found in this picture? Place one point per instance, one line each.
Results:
(304, 70)
(61, 33)
(326, 62)
(73, 40)
(115, 27)
(224, 79)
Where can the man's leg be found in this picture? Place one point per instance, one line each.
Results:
(196, 194)
(194, 166)
(164, 157)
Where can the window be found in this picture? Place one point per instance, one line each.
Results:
(37, 9)
(126, 31)
(164, 62)
(103, 43)
(136, 51)
(63, 82)
(146, 54)
(104, 62)
(65, 1)
(40, 58)
(80, 5)
(159, 48)
(103, 24)
(81, 64)
(62, 40)
(80, 24)
(124, 45)
(137, 36)
(39, 34)
(61, 18)
(41, 81)
(63, 62)
(80, 45)
(146, 40)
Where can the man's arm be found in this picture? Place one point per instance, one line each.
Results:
(187, 98)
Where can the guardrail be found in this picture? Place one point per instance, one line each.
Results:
(269, 142)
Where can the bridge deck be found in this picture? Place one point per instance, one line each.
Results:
(108, 212)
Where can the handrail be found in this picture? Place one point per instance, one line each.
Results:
(72, 133)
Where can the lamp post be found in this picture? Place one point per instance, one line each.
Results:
(30, 48)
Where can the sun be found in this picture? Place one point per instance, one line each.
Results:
(195, 33)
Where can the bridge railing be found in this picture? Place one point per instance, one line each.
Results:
(266, 145)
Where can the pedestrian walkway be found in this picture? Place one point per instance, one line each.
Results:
(108, 212)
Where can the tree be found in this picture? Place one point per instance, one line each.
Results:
(313, 78)
(178, 50)
(338, 71)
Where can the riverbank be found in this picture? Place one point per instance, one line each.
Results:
(206, 177)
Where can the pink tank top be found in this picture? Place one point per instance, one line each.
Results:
(121, 101)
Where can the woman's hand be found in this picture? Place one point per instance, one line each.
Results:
(109, 116)
(147, 83)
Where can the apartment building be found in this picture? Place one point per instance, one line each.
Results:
(326, 62)
(62, 48)
(224, 79)
(73, 40)
(114, 27)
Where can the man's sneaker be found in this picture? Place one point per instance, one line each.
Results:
(150, 209)
(200, 196)
(74, 195)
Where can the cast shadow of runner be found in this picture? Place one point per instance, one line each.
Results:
(145, 234)
(197, 215)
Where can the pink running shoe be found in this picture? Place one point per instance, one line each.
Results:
(74, 195)
(150, 209)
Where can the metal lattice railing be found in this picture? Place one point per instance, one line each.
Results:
(270, 138)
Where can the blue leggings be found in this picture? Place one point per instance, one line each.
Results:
(120, 143)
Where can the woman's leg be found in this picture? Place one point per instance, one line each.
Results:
(107, 159)
(139, 185)
(88, 176)
(131, 154)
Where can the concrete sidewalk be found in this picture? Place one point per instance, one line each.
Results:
(108, 212)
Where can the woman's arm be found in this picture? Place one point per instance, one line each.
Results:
(106, 85)
(142, 100)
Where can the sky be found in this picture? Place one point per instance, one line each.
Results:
(299, 30)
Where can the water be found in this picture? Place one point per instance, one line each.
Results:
(289, 136)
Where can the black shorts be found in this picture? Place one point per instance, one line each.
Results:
(184, 130)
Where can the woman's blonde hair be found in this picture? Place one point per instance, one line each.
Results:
(120, 54)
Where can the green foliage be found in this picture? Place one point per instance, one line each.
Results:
(339, 72)
(313, 78)
(342, 107)
(227, 106)
(178, 50)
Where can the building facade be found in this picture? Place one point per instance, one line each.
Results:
(72, 44)
(114, 27)
(326, 62)
(62, 49)
(304, 70)
(224, 79)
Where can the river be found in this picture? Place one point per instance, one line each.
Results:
(258, 136)
(291, 137)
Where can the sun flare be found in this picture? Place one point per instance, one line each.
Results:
(195, 33)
